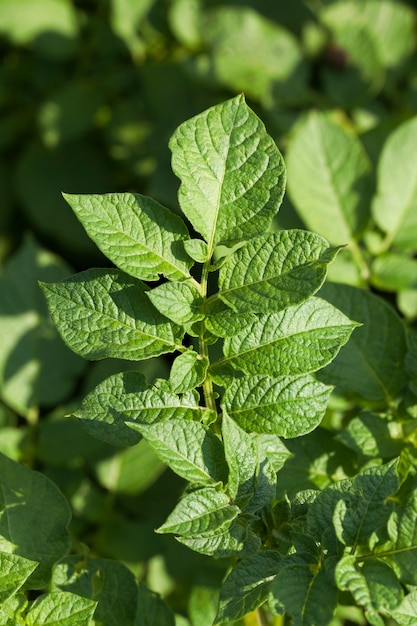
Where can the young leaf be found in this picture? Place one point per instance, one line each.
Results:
(298, 340)
(248, 584)
(190, 449)
(372, 363)
(394, 205)
(27, 527)
(285, 406)
(232, 174)
(61, 609)
(275, 271)
(126, 397)
(188, 371)
(406, 613)
(202, 513)
(14, 571)
(197, 249)
(373, 585)
(105, 313)
(329, 179)
(179, 302)
(139, 235)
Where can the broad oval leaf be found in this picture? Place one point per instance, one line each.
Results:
(190, 449)
(61, 608)
(275, 271)
(298, 340)
(105, 313)
(140, 236)
(14, 571)
(232, 174)
(202, 513)
(285, 406)
(395, 205)
(27, 527)
(180, 302)
(372, 362)
(188, 371)
(126, 397)
(329, 179)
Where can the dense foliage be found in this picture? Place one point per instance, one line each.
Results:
(265, 419)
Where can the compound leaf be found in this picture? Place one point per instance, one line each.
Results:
(190, 449)
(298, 340)
(275, 271)
(232, 174)
(285, 406)
(105, 313)
(139, 235)
(126, 397)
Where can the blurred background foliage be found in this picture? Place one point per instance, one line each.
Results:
(90, 92)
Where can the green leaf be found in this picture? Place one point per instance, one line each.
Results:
(366, 507)
(224, 543)
(200, 514)
(197, 249)
(248, 585)
(180, 302)
(126, 397)
(402, 529)
(372, 435)
(31, 22)
(242, 459)
(304, 586)
(275, 271)
(105, 313)
(27, 527)
(152, 610)
(298, 340)
(139, 235)
(190, 449)
(36, 368)
(406, 613)
(356, 510)
(272, 448)
(224, 322)
(188, 371)
(393, 208)
(61, 609)
(232, 174)
(110, 583)
(14, 571)
(372, 362)
(130, 471)
(12, 609)
(285, 406)
(329, 179)
(394, 272)
(373, 585)
(244, 46)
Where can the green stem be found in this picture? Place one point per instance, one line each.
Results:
(207, 385)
